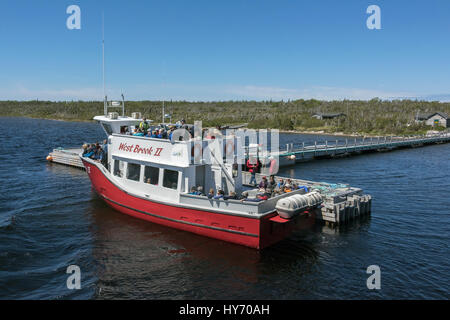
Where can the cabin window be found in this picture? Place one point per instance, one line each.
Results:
(151, 175)
(107, 128)
(124, 130)
(133, 171)
(170, 179)
(118, 168)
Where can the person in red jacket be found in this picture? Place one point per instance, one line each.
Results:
(252, 167)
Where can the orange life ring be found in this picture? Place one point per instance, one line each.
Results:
(49, 158)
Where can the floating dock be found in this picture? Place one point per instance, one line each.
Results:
(342, 203)
(69, 157)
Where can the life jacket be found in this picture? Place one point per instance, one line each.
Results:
(263, 197)
(144, 126)
(252, 166)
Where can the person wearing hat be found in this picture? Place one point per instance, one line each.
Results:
(183, 124)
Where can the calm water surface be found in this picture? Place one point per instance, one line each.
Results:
(50, 218)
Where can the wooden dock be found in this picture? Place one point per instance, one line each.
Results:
(69, 157)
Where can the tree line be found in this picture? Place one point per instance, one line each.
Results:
(364, 117)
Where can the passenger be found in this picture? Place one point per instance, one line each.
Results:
(280, 184)
(163, 133)
(273, 169)
(181, 124)
(105, 145)
(252, 166)
(85, 148)
(200, 191)
(139, 132)
(105, 153)
(243, 196)
(98, 154)
(123, 130)
(89, 151)
(263, 183)
(193, 191)
(257, 199)
(144, 125)
(258, 166)
(210, 193)
(265, 195)
(232, 195)
(155, 134)
(172, 129)
(277, 191)
(220, 195)
(287, 188)
(288, 183)
(271, 184)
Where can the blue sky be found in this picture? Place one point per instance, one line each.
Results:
(224, 50)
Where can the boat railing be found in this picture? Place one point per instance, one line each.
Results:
(113, 104)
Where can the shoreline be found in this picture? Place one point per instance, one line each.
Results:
(322, 133)
(50, 119)
(319, 132)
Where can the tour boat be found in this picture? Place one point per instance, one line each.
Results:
(151, 179)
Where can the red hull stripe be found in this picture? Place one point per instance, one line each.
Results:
(179, 221)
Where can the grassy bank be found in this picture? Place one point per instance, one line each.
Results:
(374, 117)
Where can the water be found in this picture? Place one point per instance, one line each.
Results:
(50, 218)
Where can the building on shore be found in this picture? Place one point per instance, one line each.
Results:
(434, 119)
(321, 116)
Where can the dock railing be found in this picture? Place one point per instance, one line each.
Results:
(330, 147)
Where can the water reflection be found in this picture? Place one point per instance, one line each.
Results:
(146, 260)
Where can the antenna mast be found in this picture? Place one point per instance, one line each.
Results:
(103, 61)
(164, 76)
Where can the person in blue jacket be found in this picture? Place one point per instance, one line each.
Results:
(220, 195)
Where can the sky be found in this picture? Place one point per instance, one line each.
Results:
(225, 50)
